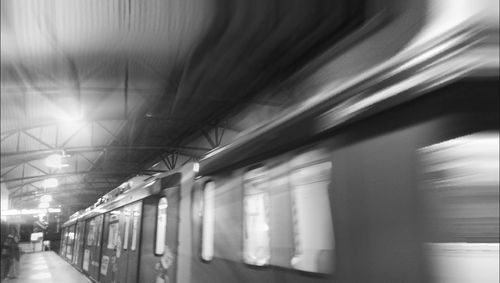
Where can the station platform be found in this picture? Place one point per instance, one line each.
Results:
(47, 267)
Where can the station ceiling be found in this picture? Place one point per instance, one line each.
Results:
(114, 84)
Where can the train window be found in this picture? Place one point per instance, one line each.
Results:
(280, 218)
(127, 228)
(135, 228)
(78, 240)
(161, 226)
(313, 226)
(460, 189)
(207, 245)
(256, 249)
(71, 239)
(114, 229)
(461, 180)
(98, 229)
(90, 232)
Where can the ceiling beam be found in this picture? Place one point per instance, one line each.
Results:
(15, 158)
(109, 148)
(74, 192)
(96, 179)
(41, 177)
(90, 184)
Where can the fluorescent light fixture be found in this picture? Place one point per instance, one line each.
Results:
(196, 167)
(50, 183)
(35, 212)
(9, 212)
(31, 211)
(44, 205)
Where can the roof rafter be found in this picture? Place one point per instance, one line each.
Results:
(41, 177)
(18, 157)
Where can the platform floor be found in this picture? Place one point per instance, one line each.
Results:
(46, 267)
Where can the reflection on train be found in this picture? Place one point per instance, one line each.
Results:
(386, 176)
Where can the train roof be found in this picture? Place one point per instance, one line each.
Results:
(130, 191)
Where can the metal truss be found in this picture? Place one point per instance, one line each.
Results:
(215, 134)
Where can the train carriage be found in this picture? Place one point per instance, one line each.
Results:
(124, 236)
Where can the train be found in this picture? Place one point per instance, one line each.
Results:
(384, 175)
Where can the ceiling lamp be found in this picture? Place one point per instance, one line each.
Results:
(56, 161)
(50, 183)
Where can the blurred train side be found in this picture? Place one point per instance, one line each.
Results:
(390, 222)
(390, 175)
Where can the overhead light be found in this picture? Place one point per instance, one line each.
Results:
(56, 161)
(10, 212)
(35, 211)
(46, 198)
(50, 183)
(70, 113)
(196, 167)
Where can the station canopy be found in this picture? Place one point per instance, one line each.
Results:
(95, 92)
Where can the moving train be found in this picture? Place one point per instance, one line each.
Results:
(389, 174)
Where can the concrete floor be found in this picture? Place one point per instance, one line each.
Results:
(46, 267)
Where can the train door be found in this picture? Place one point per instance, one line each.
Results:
(120, 249)
(91, 253)
(88, 242)
(133, 242)
(79, 239)
(159, 239)
(62, 250)
(70, 241)
(108, 267)
(127, 254)
(95, 252)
